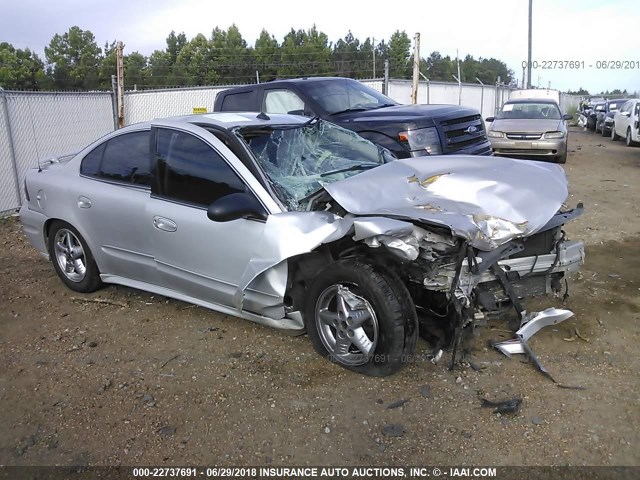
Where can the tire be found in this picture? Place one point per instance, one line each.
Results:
(389, 332)
(614, 135)
(596, 129)
(562, 158)
(603, 131)
(627, 139)
(72, 258)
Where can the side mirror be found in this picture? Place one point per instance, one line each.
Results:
(566, 116)
(490, 119)
(235, 206)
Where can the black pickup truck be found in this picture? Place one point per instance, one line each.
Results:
(406, 130)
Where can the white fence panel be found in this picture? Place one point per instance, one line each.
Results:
(9, 195)
(146, 105)
(44, 124)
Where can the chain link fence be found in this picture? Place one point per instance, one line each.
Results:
(37, 125)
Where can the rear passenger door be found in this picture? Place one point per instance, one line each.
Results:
(115, 185)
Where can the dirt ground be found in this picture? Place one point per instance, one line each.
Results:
(161, 382)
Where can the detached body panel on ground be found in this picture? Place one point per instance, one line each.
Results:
(303, 225)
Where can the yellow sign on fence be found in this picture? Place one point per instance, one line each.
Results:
(199, 109)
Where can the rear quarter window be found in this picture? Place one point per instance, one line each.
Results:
(238, 102)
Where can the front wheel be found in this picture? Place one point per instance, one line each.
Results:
(603, 131)
(628, 141)
(361, 318)
(72, 258)
(614, 135)
(562, 158)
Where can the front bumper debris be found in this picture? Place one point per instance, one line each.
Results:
(532, 324)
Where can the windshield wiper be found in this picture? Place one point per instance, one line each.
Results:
(361, 166)
(349, 110)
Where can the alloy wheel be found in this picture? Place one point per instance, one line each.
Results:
(347, 325)
(70, 255)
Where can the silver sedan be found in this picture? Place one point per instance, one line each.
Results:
(529, 128)
(304, 226)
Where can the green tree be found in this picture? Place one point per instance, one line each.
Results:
(364, 68)
(20, 69)
(439, 68)
(382, 53)
(175, 43)
(232, 59)
(194, 64)
(267, 56)
(74, 60)
(160, 68)
(346, 56)
(399, 54)
(135, 70)
(305, 53)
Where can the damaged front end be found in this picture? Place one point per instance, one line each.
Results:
(468, 237)
(455, 285)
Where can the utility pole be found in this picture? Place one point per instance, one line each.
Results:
(529, 55)
(416, 68)
(114, 100)
(373, 51)
(524, 74)
(120, 82)
(459, 79)
(481, 94)
(385, 83)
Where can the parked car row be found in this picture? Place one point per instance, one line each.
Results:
(616, 118)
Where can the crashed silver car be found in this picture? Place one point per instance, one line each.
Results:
(302, 225)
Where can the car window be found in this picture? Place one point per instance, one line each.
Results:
(91, 162)
(188, 170)
(238, 102)
(124, 158)
(283, 101)
(637, 110)
(529, 111)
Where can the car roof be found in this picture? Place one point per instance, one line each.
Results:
(532, 100)
(227, 120)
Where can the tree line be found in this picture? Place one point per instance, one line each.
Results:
(75, 61)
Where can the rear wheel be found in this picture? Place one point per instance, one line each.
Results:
(72, 258)
(603, 131)
(361, 318)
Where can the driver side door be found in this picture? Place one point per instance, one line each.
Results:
(195, 256)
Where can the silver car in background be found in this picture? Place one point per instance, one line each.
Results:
(302, 225)
(529, 128)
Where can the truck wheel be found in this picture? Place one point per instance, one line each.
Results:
(361, 318)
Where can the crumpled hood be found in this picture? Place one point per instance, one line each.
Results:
(488, 201)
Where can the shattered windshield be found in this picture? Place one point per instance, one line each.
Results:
(300, 159)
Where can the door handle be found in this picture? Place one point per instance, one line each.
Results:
(84, 202)
(164, 224)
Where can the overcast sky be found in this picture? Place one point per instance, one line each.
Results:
(588, 31)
